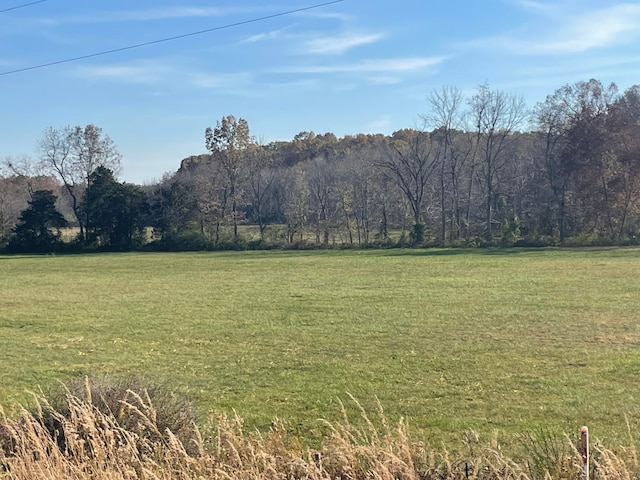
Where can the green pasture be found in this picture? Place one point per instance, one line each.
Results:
(489, 340)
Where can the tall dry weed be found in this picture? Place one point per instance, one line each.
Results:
(89, 443)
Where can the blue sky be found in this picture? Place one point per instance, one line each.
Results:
(357, 66)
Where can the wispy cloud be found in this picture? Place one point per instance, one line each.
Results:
(170, 13)
(341, 17)
(606, 27)
(164, 13)
(384, 80)
(339, 44)
(388, 65)
(138, 73)
(295, 85)
(539, 8)
(221, 81)
(272, 35)
(581, 67)
(314, 44)
(572, 33)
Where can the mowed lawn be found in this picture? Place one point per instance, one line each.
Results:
(489, 340)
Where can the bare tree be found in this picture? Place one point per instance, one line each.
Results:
(410, 162)
(211, 198)
(497, 115)
(355, 186)
(296, 203)
(321, 182)
(447, 119)
(30, 171)
(261, 173)
(73, 154)
(13, 199)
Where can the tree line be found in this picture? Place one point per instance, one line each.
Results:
(483, 170)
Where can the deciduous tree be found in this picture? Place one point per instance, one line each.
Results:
(73, 154)
(623, 126)
(587, 154)
(227, 143)
(447, 118)
(496, 115)
(410, 163)
(261, 173)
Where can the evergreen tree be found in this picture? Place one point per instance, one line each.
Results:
(114, 211)
(38, 228)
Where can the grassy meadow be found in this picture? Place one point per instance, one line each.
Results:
(452, 340)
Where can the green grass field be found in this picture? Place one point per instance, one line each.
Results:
(490, 340)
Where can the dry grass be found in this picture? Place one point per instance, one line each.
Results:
(97, 446)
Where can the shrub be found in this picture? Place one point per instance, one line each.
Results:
(417, 234)
(590, 240)
(536, 241)
(230, 243)
(510, 230)
(547, 453)
(136, 403)
(182, 242)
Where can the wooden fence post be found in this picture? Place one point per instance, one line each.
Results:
(584, 450)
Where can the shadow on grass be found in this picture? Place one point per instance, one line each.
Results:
(445, 252)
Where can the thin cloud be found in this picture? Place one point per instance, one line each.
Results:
(601, 28)
(221, 81)
(165, 13)
(140, 73)
(583, 67)
(339, 45)
(385, 80)
(597, 29)
(244, 84)
(341, 17)
(539, 8)
(173, 12)
(371, 66)
(295, 85)
(272, 35)
(607, 27)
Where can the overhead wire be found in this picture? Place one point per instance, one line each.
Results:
(169, 39)
(22, 6)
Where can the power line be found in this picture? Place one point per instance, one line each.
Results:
(168, 39)
(21, 6)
